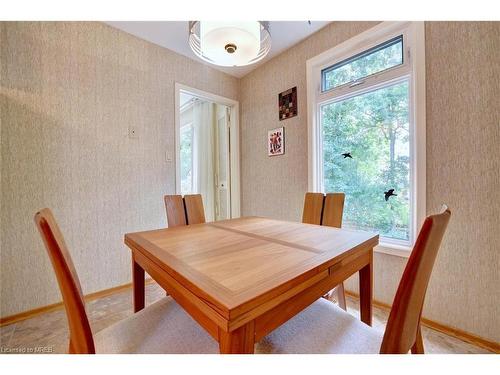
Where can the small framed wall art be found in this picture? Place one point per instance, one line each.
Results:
(287, 101)
(276, 142)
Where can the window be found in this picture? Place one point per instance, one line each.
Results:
(377, 59)
(365, 153)
(366, 131)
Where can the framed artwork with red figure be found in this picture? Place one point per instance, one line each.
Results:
(276, 142)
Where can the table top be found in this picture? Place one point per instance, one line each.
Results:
(233, 265)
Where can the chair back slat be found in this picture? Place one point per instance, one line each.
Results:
(333, 210)
(404, 319)
(195, 213)
(81, 340)
(313, 208)
(176, 214)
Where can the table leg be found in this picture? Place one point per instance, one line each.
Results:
(138, 285)
(366, 291)
(239, 341)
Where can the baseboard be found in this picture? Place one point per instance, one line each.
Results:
(450, 331)
(59, 305)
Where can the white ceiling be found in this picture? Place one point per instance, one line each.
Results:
(174, 36)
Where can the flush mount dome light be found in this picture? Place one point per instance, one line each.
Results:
(230, 43)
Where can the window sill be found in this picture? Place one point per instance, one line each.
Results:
(391, 249)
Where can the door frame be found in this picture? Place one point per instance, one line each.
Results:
(234, 141)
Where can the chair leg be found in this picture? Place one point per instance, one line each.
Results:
(341, 296)
(418, 346)
(337, 294)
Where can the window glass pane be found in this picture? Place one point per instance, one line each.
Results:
(186, 146)
(374, 60)
(366, 152)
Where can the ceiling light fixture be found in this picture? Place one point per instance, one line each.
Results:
(230, 43)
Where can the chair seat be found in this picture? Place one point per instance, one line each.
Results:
(163, 327)
(322, 328)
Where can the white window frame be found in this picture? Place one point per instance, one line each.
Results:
(413, 69)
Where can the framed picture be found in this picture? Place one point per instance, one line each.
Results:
(276, 142)
(288, 103)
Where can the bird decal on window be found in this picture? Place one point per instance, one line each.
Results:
(347, 155)
(389, 193)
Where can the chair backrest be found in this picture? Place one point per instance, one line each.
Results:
(313, 208)
(176, 214)
(81, 340)
(333, 210)
(195, 213)
(404, 319)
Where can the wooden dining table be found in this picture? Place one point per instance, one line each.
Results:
(242, 278)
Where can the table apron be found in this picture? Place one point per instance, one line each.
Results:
(208, 318)
(275, 317)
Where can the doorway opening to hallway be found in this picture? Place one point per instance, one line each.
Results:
(208, 151)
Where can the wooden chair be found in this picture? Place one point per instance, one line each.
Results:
(195, 213)
(333, 211)
(162, 327)
(177, 210)
(176, 214)
(325, 328)
(313, 208)
(326, 210)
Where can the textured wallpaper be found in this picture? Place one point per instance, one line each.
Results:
(69, 92)
(463, 156)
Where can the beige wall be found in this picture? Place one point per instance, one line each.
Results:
(463, 156)
(69, 92)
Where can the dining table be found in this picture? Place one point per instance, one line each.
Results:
(242, 278)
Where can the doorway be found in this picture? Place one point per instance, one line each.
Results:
(208, 151)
